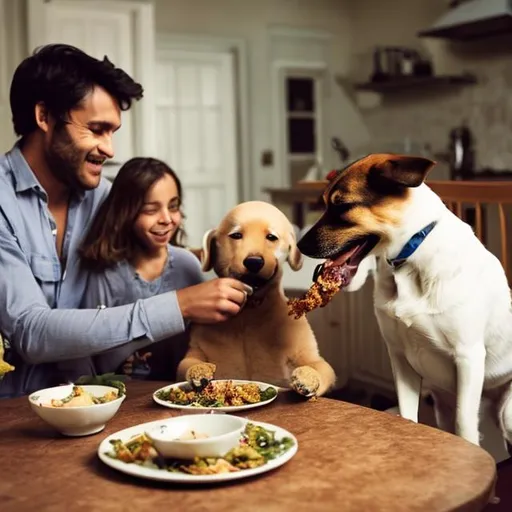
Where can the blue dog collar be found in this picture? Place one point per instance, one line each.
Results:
(414, 242)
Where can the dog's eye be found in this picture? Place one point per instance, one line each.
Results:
(272, 238)
(342, 207)
(235, 236)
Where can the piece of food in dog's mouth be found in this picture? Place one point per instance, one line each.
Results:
(329, 278)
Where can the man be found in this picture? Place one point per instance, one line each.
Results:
(65, 107)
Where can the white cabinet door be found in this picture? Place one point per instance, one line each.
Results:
(196, 136)
(104, 29)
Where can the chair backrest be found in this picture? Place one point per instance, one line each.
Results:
(469, 200)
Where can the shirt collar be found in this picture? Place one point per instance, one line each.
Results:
(24, 177)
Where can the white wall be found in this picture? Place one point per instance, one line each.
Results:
(243, 19)
(12, 51)
(251, 21)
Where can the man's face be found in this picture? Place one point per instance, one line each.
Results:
(77, 147)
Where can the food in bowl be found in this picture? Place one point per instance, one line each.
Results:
(218, 434)
(255, 447)
(192, 434)
(76, 420)
(223, 393)
(79, 397)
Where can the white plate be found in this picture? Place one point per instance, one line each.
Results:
(166, 476)
(230, 408)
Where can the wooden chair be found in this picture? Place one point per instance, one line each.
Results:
(475, 197)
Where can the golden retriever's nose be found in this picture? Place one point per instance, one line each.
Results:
(254, 264)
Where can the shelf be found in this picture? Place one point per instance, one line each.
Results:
(407, 83)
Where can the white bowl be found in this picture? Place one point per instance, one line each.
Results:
(223, 431)
(75, 421)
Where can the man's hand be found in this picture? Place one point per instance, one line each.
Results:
(213, 301)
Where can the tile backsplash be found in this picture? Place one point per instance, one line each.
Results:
(426, 116)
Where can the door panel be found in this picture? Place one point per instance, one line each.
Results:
(196, 133)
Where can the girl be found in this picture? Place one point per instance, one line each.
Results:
(134, 250)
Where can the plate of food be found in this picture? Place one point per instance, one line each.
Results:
(221, 395)
(260, 447)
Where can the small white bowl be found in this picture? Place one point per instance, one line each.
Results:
(223, 431)
(75, 421)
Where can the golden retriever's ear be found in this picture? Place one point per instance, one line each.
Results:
(405, 170)
(208, 253)
(295, 258)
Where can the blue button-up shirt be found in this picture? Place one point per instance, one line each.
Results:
(38, 297)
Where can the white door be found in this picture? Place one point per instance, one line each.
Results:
(196, 134)
(99, 29)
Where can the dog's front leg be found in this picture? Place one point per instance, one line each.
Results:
(470, 364)
(313, 378)
(195, 368)
(407, 384)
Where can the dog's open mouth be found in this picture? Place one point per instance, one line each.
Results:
(344, 264)
(253, 280)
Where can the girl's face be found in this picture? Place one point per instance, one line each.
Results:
(160, 215)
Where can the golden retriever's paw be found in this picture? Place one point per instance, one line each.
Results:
(305, 381)
(199, 375)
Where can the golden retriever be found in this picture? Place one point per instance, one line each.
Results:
(262, 342)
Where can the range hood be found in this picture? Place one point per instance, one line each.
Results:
(472, 19)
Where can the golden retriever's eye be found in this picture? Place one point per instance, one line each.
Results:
(272, 238)
(235, 236)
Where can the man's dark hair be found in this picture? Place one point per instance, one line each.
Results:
(60, 76)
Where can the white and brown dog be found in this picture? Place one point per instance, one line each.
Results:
(262, 342)
(441, 298)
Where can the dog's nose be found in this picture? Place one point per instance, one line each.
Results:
(254, 264)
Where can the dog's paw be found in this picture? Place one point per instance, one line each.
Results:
(305, 381)
(199, 375)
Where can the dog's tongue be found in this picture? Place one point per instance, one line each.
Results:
(340, 268)
(341, 260)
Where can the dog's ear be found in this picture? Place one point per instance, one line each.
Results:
(405, 170)
(295, 258)
(208, 254)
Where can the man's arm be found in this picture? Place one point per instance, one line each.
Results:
(40, 334)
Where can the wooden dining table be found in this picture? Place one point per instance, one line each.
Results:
(349, 458)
